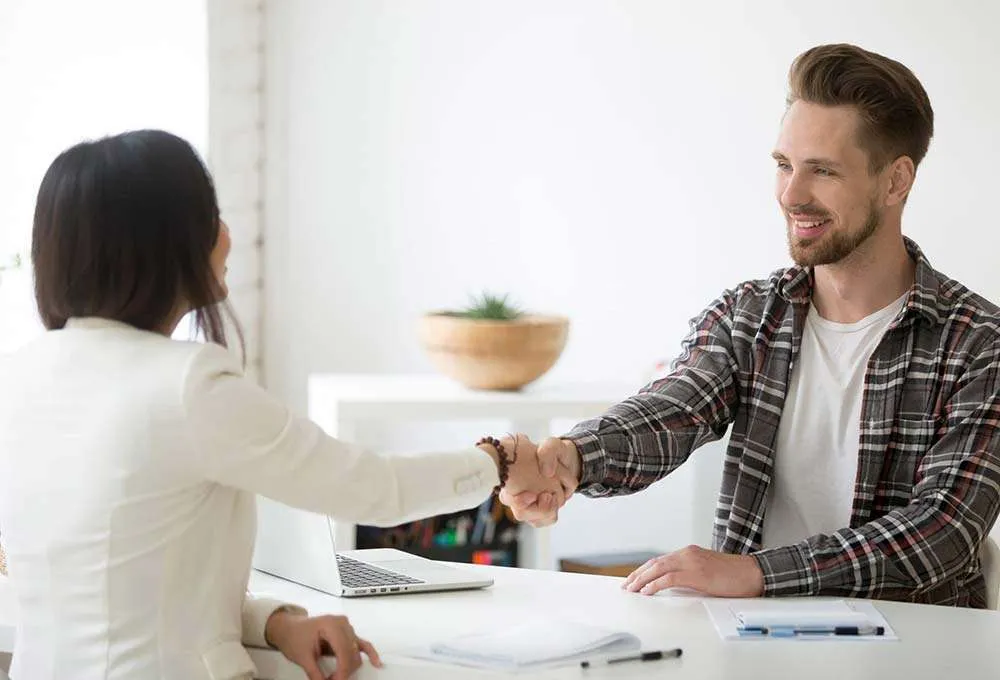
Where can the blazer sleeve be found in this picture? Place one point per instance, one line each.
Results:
(245, 438)
(256, 611)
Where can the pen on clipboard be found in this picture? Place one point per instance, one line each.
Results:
(641, 656)
(787, 631)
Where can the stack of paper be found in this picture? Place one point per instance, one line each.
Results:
(798, 619)
(534, 645)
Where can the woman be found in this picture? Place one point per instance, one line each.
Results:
(129, 461)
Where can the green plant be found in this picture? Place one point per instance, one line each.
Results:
(13, 263)
(490, 307)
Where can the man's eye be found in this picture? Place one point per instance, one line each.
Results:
(824, 172)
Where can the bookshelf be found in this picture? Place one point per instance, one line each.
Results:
(485, 535)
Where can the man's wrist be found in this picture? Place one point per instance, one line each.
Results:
(755, 584)
(788, 571)
(573, 460)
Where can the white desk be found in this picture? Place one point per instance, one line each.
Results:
(935, 642)
(339, 402)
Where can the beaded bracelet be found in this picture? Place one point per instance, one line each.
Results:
(503, 460)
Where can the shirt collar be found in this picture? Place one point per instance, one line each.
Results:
(923, 299)
(95, 323)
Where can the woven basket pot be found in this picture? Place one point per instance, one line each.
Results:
(493, 355)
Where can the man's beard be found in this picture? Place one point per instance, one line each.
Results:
(833, 246)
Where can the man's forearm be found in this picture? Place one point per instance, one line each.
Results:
(862, 562)
(638, 442)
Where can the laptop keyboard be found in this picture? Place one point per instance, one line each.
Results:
(355, 574)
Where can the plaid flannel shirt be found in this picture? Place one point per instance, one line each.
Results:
(927, 490)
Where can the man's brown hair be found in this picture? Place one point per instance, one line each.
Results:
(897, 118)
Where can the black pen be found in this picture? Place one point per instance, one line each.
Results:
(788, 631)
(642, 656)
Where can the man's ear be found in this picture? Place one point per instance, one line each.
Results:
(900, 175)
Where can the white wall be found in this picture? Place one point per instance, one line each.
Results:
(604, 159)
(71, 71)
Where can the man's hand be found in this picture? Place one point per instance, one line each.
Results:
(706, 571)
(303, 640)
(560, 458)
(557, 460)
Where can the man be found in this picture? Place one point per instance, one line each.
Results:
(862, 386)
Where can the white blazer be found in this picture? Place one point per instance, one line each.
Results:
(128, 468)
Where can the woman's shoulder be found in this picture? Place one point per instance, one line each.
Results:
(108, 351)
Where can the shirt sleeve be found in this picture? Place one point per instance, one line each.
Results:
(642, 439)
(256, 611)
(934, 538)
(243, 437)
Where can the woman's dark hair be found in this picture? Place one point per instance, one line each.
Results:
(124, 230)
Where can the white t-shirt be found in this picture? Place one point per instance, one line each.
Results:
(816, 456)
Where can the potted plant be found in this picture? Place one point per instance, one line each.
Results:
(492, 344)
(11, 264)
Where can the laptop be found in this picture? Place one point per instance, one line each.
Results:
(299, 546)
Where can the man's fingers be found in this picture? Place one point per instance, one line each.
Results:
(536, 509)
(525, 499)
(647, 576)
(567, 481)
(533, 517)
(653, 570)
(673, 579)
(630, 579)
(544, 519)
(522, 500)
(370, 651)
(524, 513)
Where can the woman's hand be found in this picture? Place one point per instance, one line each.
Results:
(303, 640)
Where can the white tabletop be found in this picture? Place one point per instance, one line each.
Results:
(935, 642)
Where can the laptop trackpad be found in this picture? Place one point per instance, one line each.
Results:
(425, 570)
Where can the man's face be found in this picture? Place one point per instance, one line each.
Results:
(829, 198)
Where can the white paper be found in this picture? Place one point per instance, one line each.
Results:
(726, 615)
(533, 645)
(764, 613)
(273, 665)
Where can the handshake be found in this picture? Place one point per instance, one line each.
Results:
(540, 479)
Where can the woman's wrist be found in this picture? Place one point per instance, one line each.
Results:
(501, 457)
(491, 452)
(277, 624)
